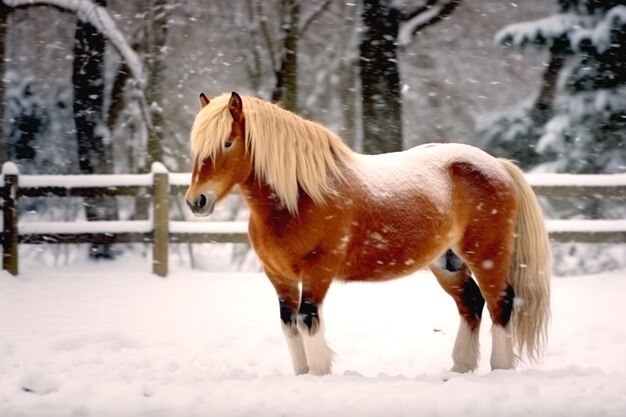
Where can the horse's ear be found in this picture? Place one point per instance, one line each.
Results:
(235, 106)
(204, 100)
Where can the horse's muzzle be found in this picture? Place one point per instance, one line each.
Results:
(203, 205)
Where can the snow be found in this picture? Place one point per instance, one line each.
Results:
(182, 178)
(581, 31)
(199, 226)
(546, 29)
(96, 180)
(422, 169)
(86, 181)
(110, 339)
(585, 225)
(131, 226)
(552, 138)
(9, 168)
(576, 180)
(158, 168)
(601, 35)
(105, 226)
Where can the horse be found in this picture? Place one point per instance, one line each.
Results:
(320, 212)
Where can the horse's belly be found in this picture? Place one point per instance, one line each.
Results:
(381, 256)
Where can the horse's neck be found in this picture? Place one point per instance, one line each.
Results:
(261, 198)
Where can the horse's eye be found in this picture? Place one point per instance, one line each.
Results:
(228, 144)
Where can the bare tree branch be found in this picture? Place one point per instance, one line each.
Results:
(431, 13)
(306, 21)
(118, 101)
(422, 9)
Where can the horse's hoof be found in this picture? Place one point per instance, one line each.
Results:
(320, 372)
(301, 370)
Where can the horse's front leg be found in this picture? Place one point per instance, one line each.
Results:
(288, 301)
(318, 355)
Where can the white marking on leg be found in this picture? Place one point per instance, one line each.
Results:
(502, 356)
(296, 348)
(466, 352)
(319, 356)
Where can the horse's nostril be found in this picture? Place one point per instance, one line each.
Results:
(202, 201)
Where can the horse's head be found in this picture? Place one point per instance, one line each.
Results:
(220, 157)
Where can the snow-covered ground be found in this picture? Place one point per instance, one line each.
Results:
(110, 339)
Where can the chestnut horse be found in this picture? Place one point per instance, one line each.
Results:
(320, 212)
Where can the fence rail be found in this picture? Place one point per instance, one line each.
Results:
(161, 186)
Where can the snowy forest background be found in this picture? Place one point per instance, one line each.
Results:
(539, 81)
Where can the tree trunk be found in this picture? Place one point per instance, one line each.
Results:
(286, 90)
(543, 108)
(348, 98)
(156, 38)
(94, 154)
(4, 14)
(380, 79)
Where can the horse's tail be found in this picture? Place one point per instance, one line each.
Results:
(529, 273)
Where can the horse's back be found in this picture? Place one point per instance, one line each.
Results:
(446, 155)
(426, 170)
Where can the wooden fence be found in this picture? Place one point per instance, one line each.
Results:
(161, 186)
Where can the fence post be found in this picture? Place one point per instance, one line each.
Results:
(10, 237)
(161, 218)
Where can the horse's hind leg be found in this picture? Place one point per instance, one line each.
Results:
(455, 278)
(499, 296)
(490, 266)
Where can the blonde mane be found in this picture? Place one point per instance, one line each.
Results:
(287, 151)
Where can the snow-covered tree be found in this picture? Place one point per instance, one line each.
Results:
(28, 120)
(37, 127)
(94, 27)
(93, 14)
(578, 121)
